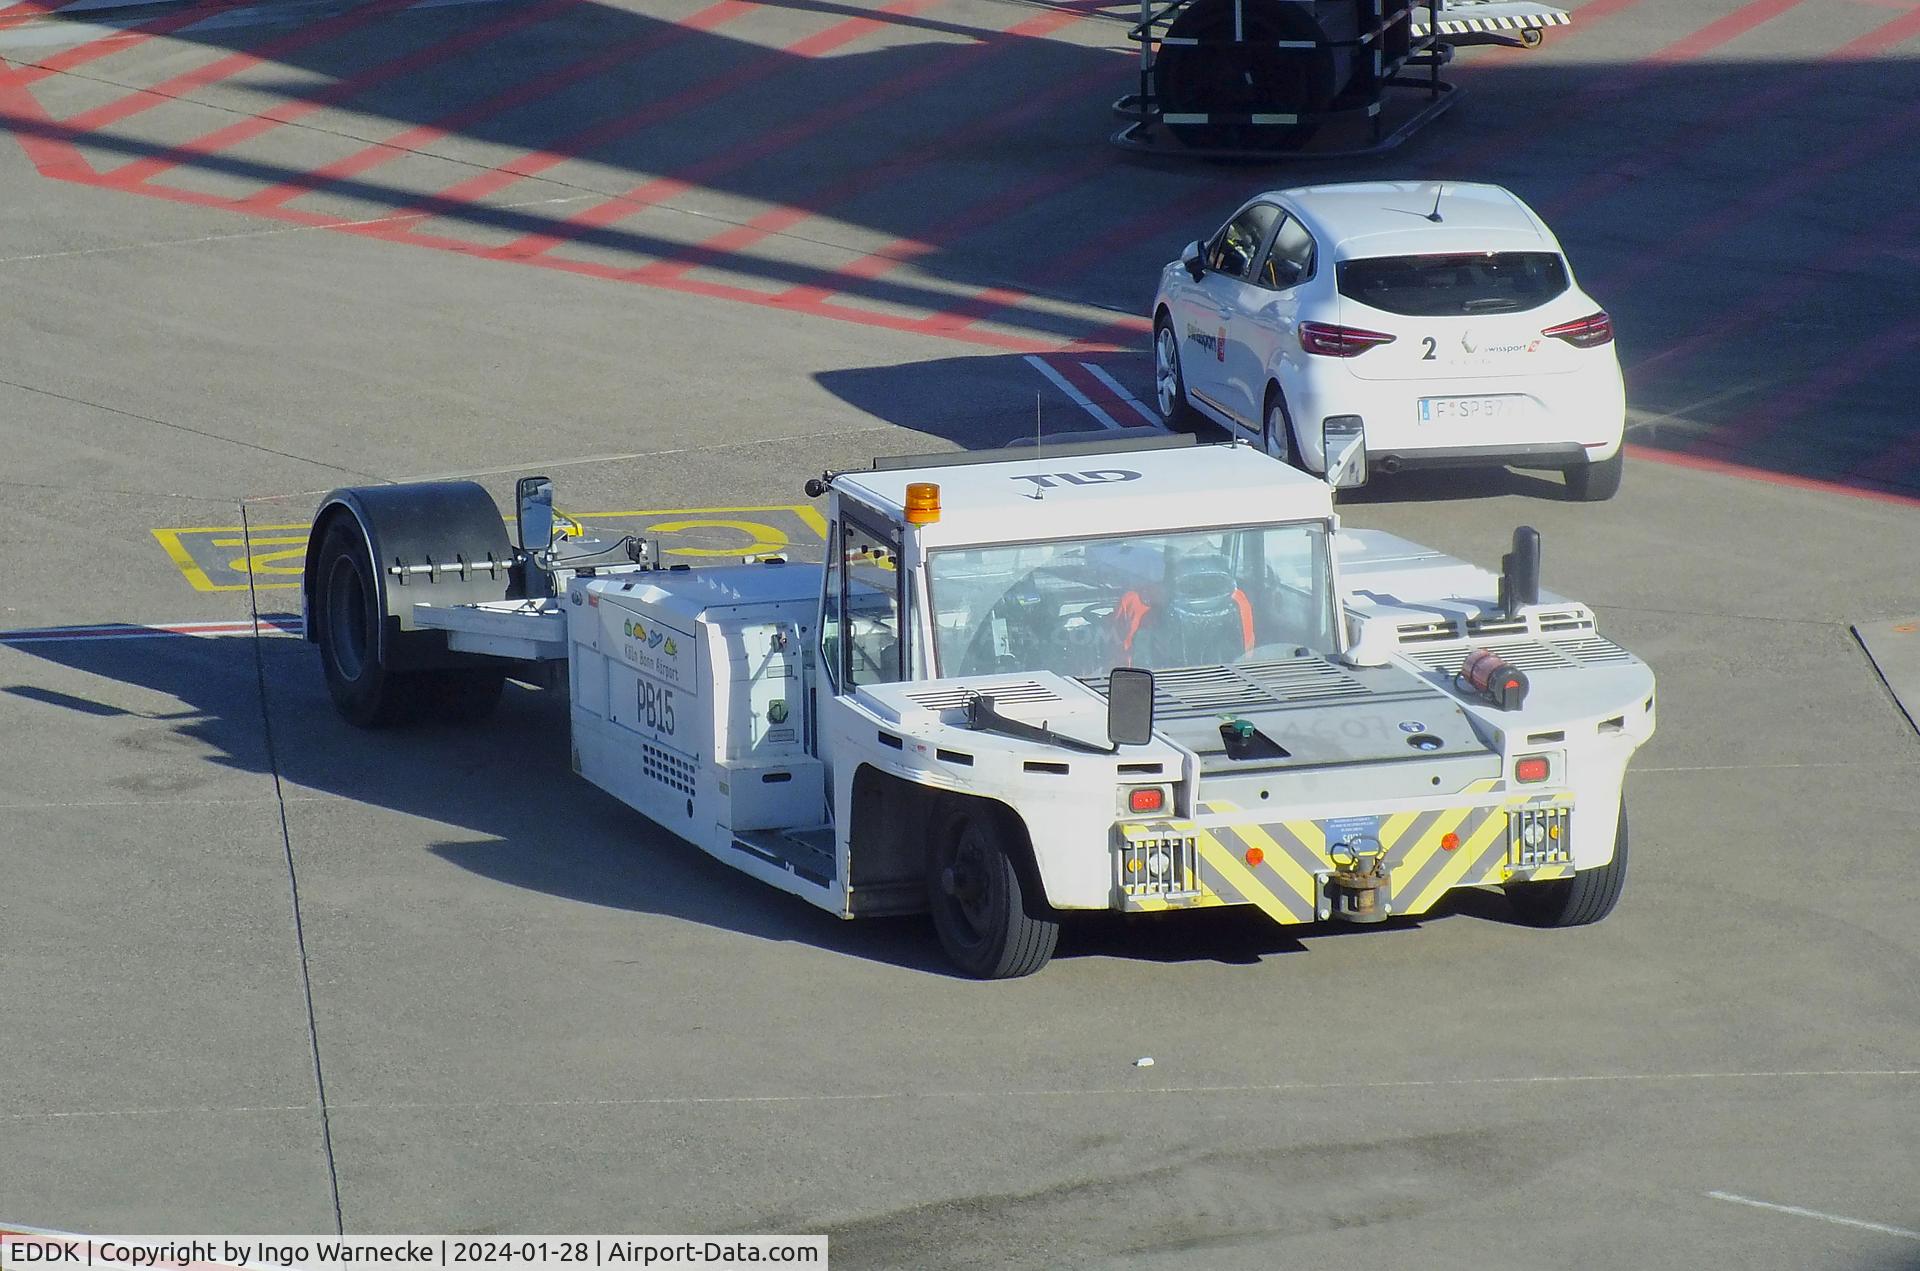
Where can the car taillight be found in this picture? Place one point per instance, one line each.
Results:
(1329, 340)
(1146, 799)
(1531, 768)
(1589, 332)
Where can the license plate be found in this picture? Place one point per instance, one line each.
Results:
(1442, 409)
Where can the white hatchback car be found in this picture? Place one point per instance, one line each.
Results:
(1439, 321)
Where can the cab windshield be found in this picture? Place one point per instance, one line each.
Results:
(1079, 607)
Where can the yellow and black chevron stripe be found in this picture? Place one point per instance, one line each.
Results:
(1278, 865)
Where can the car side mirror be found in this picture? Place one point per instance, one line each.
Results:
(1194, 259)
(533, 497)
(1130, 706)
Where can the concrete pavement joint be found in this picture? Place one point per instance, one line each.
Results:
(293, 882)
(532, 465)
(196, 432)
(253, 233)
(82, 804)
(1729, 616)
(1770, 767)
(221, 500)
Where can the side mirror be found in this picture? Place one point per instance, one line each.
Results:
(533, 497)
(1370, 641)
(1344, 442)
(1194, 260)
(1130, 706)
(1520, 572)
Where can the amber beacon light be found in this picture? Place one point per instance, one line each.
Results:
(923, 503)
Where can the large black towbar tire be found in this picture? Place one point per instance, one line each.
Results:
(380, 669)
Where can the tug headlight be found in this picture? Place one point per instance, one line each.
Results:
(1158, 863)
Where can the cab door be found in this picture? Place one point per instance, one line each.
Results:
(862, 607)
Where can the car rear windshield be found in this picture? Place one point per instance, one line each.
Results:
(1454, 286)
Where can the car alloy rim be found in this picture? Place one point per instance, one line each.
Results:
(1277, 439)
(1166, 371)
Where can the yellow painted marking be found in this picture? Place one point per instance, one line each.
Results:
(761, 537)
(1394, 826)
(808, 515)
(291, 559)
(1424, 851)
(1242, 880)
(202, 553)
(1492, 865)
(1310, 835)
(1420, 853)
(1303, 883)
(1455, 869)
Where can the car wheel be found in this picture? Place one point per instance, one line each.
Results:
(1596, 482)
(1169, 386)
(1588, 896)
(980, 905)
(1276, 432)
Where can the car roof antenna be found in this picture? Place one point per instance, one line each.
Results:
(1434, 215)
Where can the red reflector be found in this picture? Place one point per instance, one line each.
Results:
(1329, 340)
(1449, 841)
(1150, 799)
(1532, 768)
(1255, 856)
(1589, 332)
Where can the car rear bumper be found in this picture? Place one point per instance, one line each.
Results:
(1575, 419)
(1556, 455)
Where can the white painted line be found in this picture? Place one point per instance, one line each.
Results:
(999, 1094)
(270, 626)
(1085, 403)
(1138, 407)
(1836, 1219)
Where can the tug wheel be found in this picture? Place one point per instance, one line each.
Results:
(984, 911)
(1588, 896)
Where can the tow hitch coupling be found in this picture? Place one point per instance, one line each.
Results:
(1356, 890)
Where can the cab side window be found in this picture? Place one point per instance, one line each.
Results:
(1290, 260)
(830, 609)
(1239, 241)
(869, 625)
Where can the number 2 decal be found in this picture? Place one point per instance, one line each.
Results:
(1431, 345)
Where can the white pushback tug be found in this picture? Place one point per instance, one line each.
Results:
(1135, 675)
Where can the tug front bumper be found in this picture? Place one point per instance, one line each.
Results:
(1300, 870)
